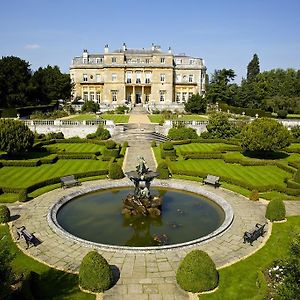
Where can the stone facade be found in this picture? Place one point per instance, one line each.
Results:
(137, 76)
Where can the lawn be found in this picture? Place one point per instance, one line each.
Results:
(75, 147)
(157, 118)
(239, 280)
(24, 176)
(51, 284)
(204, 147)
(114, 117)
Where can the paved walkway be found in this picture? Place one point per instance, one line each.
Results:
(139, 119)
(292, 208)
(142, 276)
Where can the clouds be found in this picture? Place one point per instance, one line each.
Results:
(32, 46)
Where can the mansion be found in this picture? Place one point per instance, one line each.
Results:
(137, 76)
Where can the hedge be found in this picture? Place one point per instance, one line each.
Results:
(163, 170)
(182, 142)
(202, 155)
(112, 152)
(21, 163)
(197, 272)
(123, 149)
(248, 111)
(115, 171)
(74, 155)
(275, 210)
(4, 214)
(168, 153)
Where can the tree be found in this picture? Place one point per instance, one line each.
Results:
(14, 81)
(90, 106)
(264, 136)
(220, 127)
(196, 104)
(253, 68)
(15, 136)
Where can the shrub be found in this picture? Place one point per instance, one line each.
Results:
(153, 144)
(182, 133)
(254, 195)
(102, 133)
(4, 214)
(111, 152)
(282, 114)
(167, 146)
(163, 170)
(23, 197)
(55, 135)
(275, 210)
(115, 171)
(197, 272)
(121, 109)
(95, 273)
(111, 144)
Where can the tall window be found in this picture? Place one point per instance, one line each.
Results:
(177, 97)
(85, 61)
(147, 60)
(98, 97)
(191, 61)
(138, 77)
(85, 96)
(98, 78)
(148, 78)
(191, 78)
(113, 77)
(85, 77)
(162, 77)
(190, 94)
(92, 96)
(162, 60)
(114, 95)
(147, 98)
(113, 60)
(162, 95)
(128, 77)
(184, 96)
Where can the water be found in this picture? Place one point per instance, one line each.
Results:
(97, 217)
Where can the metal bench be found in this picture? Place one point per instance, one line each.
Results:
(211, 179)
(29, 238)
(68, 181)
(254, 234)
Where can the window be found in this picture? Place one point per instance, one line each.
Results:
(191, 78)
(72, 78)
(177, 97)
(92, 96)
(85, 96)
(178, 61)
(178, 77)
(147, 98)
(113, 77)
(98, 97)
(114, 95)
(190, 94)
(184, 78)
(162, 60)
(138, 60)
(162, 77)
(184, 97)
(129, 98)
(129, 60)
(128, 77)
(162, 95)
(148, 78)
(113, 60)
(147, 60)
(98, 78)
(85, 77)
(84, 60)
(98, 60)
(138, 77)
(191, 61)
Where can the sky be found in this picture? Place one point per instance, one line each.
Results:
(225, 34)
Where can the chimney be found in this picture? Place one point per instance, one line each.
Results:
(85, 53)
(170, 50)
(152, 47)
(124, 47)
(106, 48)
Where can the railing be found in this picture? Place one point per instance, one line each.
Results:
(67, 123)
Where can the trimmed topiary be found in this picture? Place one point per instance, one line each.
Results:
(275, 210)
(110, 144)
(168, 146)
(254, 196)
(115, 171)
(23, 196)
(197, 272)
(163, 170)
(95, 274)
(4, 214)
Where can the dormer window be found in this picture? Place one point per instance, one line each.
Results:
(85, 77)
(113, 60)
(162, 60)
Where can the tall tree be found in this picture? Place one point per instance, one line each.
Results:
(253, 68)
(196, 104)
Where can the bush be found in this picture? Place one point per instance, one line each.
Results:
(23, 197)
(55, 135)
(4, 214)
(182, 133)
(111, 144)
(153, 144)
(102, 133)
(167, 146)
(121, 109)
(254, 195)
(275, 210)
(95, 274)
(163, 170)
(115, 171)
(282, 114)
(197, 272)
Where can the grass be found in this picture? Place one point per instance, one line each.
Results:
(158, 118)
(114, 117)
(239, 280)
(75, 147)
(51, 284)
(8, 198)
(204, 147)
(25, 176)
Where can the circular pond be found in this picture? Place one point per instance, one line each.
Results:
(96, 217)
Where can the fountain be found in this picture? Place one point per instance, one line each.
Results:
(142, 202)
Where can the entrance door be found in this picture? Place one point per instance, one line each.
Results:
(138, 98)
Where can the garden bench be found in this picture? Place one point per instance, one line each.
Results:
(251, 236)
(68, 181)
(211, 179)
(29, 238)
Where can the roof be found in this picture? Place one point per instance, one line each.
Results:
(139, 51)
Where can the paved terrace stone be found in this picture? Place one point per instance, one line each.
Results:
(142, 275)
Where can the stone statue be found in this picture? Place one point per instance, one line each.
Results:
(141, 168)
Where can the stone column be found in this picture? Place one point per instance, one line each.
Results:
(143, 94)
(133, 96)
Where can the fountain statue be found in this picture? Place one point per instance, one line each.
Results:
(142, 202)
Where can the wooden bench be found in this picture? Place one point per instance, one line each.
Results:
(254, 234)
(211, 179)
(29, 238)
(68, 181)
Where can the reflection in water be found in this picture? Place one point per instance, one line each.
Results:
(97, 217)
